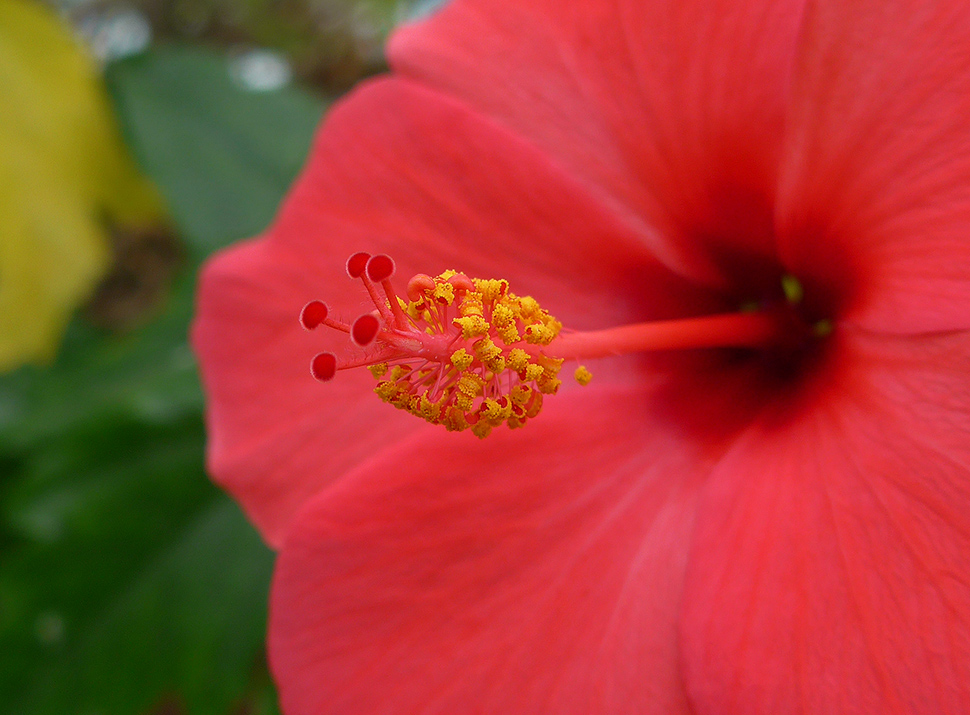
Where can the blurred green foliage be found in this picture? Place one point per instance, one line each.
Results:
(128, 582)
(331, 43)
(67, 182)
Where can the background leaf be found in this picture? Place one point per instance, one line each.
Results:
(222, 155)
(129, 583)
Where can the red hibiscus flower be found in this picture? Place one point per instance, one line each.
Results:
(777, 528)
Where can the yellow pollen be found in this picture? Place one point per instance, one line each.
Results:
(482, 429)
(464, 401)
(539, 334)
(518, 359)
(533, 372)
(444, 293)
(472, 305)
(520, 394)
(471, 356)
(399, 371)
(509, 334)
(428, 409)
(386, 390)
(529, 307)
(472, 326)
(582, 375)
(502, 316)
(491, 289)
(470, 384)
(549, 385)
(494, 412)
(462, 359)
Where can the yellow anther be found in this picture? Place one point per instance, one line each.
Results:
(490, 354)
(461, 359)
(428, 409)
(517, 359)
(444, 293)
(481, 429)
(386, 390)
(379, 370)
(470, 385)
(399, 371)
(509, 334)
(582, 375)
(520, 394)
(529, 307)
(502, 316)
(418, 312)
(454, 420)
(540, 334)
(485, 349)
(471, 304)
(448, 421)
(472, 326)
(549, 385)
(491, 289)
(464, 402)
(402, 400)
(533, 372)
(454, 370)
(550, 366)
(490, 409)
(495, 412)
(535, 405)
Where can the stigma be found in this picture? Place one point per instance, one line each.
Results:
(465, 353)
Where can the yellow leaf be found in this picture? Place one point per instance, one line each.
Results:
(65, 178)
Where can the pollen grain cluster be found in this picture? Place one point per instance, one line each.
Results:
(490, 376)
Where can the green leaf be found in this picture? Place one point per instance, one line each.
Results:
(134, 579)
(222, 155)
(147, 376)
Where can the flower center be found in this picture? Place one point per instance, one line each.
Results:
(467, 353)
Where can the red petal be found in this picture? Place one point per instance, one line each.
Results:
(877, 166)
(410, 173)
(671, 112)
(830, 571)
(537, 571)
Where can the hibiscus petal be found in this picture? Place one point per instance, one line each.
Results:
(830, 571)
(276, 436)
(671, 111)
(411, 172)
(537, 571)
(402, 170)
(877, 163)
